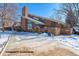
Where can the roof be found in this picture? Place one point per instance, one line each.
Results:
(33, 20)
(44, 18)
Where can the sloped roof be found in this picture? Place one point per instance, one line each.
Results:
(44, 18)
(33, 20)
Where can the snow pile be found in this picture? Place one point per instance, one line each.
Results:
(0, 49)
(25, 33)
(25, 37)
(69, 41)
(34, 36)
(18, 35)
(49, 38)
(3, 39)
(43, 34)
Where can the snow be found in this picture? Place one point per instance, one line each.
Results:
(67, 40)
(0, 49)
(43, 34)
(72, 41)
(4, 35)
(3, 38)
(33, 36)
(25, 33)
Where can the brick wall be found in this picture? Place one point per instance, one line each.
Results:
(54, 30)
(47, 22)
(23, 20)
(66, 30)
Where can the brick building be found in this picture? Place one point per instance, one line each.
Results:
(34, 23)
(51, 26)
(24, 20)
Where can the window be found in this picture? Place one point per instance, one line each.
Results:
(29, 25)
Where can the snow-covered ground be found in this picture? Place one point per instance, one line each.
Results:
(4, 37)
(67, 40)
(72, 41)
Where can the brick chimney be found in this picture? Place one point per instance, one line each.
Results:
(23, 20)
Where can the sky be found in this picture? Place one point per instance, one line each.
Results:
(40, 9)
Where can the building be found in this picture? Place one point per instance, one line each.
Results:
(34, 23)
(24, 20)
(49, 25)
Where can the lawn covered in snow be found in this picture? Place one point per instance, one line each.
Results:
(67, 40)
(71, 41)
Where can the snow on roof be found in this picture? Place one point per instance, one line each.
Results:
(33, 20)
(44, 18)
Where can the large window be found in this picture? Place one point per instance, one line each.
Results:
(29, 24)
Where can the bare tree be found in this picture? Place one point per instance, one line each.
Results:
(8, 10)
(70, 11)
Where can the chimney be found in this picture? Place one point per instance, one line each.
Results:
(23, 20)
(24, 11)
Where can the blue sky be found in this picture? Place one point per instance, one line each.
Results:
(40, 9)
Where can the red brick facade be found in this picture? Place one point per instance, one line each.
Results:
(23, 20)
(49, 26)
